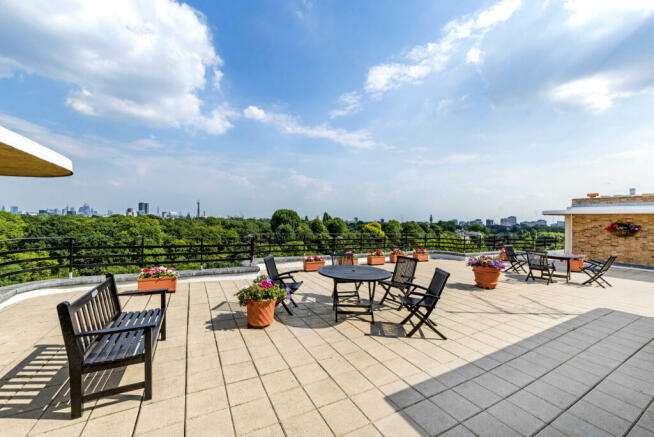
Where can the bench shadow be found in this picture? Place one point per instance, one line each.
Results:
(37, 387)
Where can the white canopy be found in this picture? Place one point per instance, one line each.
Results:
(20, 156)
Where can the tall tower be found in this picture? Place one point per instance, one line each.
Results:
(198, 209)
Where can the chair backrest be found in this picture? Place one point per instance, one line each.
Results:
(537, 258)
(271, 267)
(405, 269)
(436, 287)
(510, 252)
(607, 265)
(92, 311)
(341, 259)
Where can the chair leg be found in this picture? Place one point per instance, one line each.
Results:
(75, 381)
(432, 325)
(281, 301)
(418, 325)
(147, 393)
(293, 302)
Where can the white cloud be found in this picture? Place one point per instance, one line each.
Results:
(432, 57)
(474, 56)
(585, 11)
(145, 61)
(360, 139)
(456, 158)
(350, 104)
(597, 92)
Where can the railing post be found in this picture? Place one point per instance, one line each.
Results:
(439, 242)
(406, 243)
(425, 244)
(384, 245)
(201, 253)
(251, 248)
(70, 257)
(142, 252)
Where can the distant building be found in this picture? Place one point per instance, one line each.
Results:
(110, 212)
(144, 208)
(490, 222)
(476, 222)
(509, 221)
(13, 209)
(130, 212)
(559, 223)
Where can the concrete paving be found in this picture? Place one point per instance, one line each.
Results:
(523, 359)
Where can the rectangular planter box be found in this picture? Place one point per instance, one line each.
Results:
(393, 257)
(355, 260)
(376, 260)
(576, 265)
(155, 283)
(313, 265)
(422, 257)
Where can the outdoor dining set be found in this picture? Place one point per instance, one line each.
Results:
(542, 263)
(343, 271)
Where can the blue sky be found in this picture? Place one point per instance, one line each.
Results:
(468, 109)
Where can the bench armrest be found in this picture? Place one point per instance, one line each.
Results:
(144, 292)
(118, 330)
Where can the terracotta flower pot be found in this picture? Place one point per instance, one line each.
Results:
(261, 314)
(503, 256)
(576, 264)
(375, 260)
(154, 283)
(486, 277)
(422, 257)
(312, 266)
(393, 257)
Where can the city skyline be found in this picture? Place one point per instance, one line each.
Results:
(308, 105)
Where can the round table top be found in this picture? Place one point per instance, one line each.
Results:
(354, 273)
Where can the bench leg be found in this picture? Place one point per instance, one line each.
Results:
(75, 382)
(148, 365)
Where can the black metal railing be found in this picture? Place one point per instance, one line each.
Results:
(29, 259)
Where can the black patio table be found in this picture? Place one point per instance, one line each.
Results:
(565, 257)
(353, 274)
(561, 257)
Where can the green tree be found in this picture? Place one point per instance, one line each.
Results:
(326, 217)
(447, 226)
(412, 228)
(392, 227)
(336, 225)
(373, 228)
(317, 226)
(284, 217)
(285, 232)
(303, 229)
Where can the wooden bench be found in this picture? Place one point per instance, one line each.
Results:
(98, 335)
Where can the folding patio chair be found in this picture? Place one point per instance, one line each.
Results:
(515, 261)
(416, 302)
(538, 262)
(405, 271)
(284, 280)
(596, 269)
(346, 259)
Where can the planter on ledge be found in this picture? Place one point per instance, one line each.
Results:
(375, 260)
(393, 256)
(261, 314)
(312, 266)
(155, 283)
(486, 277)
(422, 257)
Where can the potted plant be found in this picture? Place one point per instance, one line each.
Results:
(503, 256)
(487, 270)
(392, 257)
(421, 254)
(355, 260)
(158, 277)
(260, 299)
(313, 263)
(376, 257)
(576, 264)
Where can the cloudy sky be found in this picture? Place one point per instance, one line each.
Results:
(467, 109)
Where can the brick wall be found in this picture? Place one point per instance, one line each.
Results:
(614, 199)
(590, 238)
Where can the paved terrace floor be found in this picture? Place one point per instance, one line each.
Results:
(523, 359)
